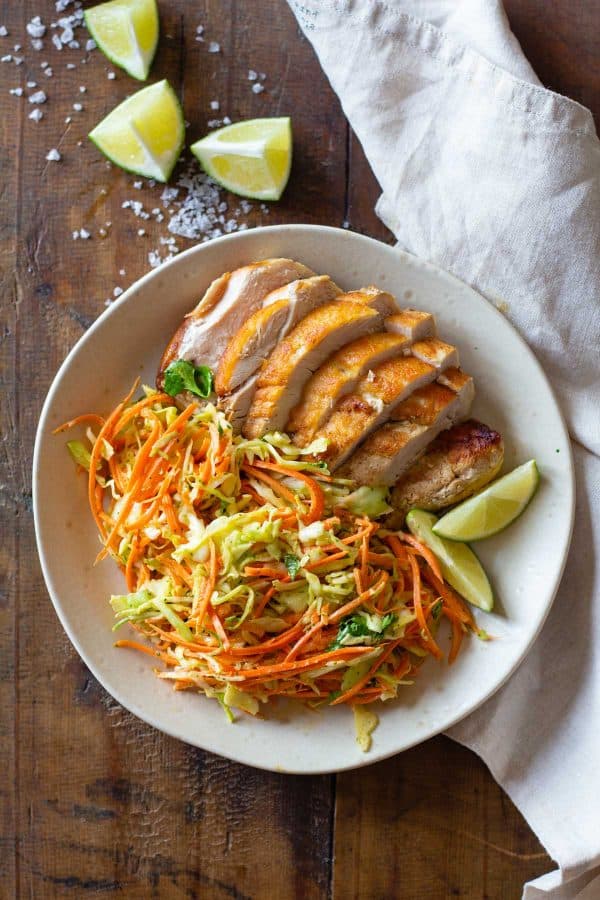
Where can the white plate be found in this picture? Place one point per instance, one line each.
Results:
(525, 563)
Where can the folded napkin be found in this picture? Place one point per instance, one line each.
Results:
(496, 179)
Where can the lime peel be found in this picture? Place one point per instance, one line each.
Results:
(493, 509)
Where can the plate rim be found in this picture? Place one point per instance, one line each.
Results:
(131, 706)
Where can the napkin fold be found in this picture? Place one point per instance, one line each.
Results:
(496, 179)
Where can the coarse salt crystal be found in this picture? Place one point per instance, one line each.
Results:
(3, 31)
(16, 92)
(17, 60)
(84, 234)
(90, 45)
(31, 84)
(252, 75)
(43, 65)
(214, 104)
(257, 88)
(82, 89)
(36, 28)
(36, 114)
(38, 97)
(117, 292)
(37, 44)
(57, 42)
(200, 29)
(122, 272)
(16, 48)
(53, 155)
(226, 120)
(75, 235)
(68, 120)
(111, 76)
(137, 185)
(48, 72)
(71, 66)
(214, 47)
(7, 58)
(141, 232)
(77, 107)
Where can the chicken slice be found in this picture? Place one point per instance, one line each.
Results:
(230, 300)
(338, 376)
(282, 309)
(412, 323)
(455, 379)
(372, 297)
(457, 464)
(436, 353)
(284, 374)
(358, 414)
(413, 424)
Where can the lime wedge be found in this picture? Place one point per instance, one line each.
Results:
(493, 509)
(252, 159)
(460, 567)
(127, 33)
(145, 133)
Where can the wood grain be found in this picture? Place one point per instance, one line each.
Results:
(92, 801)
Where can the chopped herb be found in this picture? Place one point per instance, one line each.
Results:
(356, 626)
(185, 376)
(292, 564)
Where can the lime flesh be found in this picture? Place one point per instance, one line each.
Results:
(127, 33)
(145, 133)
(494, 508)
(252, 158)
(460, 567)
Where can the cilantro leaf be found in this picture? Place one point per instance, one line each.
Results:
(356, 626)
(185, 376)
(292, 564)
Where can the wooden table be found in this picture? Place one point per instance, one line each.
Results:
(94, 802)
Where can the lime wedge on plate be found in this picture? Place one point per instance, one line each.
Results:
(252, 159)
(145, 133)
(493, 509)
(460, 567)
(127, 33)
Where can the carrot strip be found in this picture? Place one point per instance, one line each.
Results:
(317, 497)
(343, 698)
(424, 551)
(428, 637)
(133, 645)
(78, 420)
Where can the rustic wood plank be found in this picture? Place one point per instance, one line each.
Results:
(430, 823)
(105, 804)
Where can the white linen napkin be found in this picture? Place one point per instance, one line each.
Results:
(496, 179)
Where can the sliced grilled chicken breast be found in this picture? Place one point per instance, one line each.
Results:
(230, 300)
(372, 297)
(282, 309)
(413, 424)
(436, 353)
(338, 376)
(412, 323)
(457, 464)
(358, 414)
(284, 374)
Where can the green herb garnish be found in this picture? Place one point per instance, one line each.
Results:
(292, 564)
(185, 376)
(356, 626)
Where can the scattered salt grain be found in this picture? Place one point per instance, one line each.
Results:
(111, 76)
(257, 88)
(17, 60)
(57, 42)
(141, 232)
(71, 66)
(226, 120)
(16, 92)
(48, 72)
(262, 76)
(108, 301)
(214, 47)
(37, 44)
(77, 107)
(90, 45)
(68, 120)
(38, 97)
(36, 114)
(214, 104)
(117, 292)
(102, 232)
(84, 234)
(137, 185)
(214, 123)
(252, 75)
(82, 89)
(31, 84)
(7, 58)
(52, 155)
(122, 272)
(3, 31)
(75, 235)
(36, 28)
(43, 65)
(16, 48)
